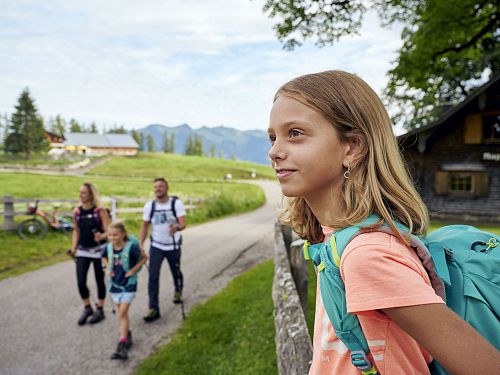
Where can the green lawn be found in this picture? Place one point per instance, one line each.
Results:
(180, 167)
(41, 159)
(232, 333)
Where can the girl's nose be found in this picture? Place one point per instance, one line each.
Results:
(276, 152)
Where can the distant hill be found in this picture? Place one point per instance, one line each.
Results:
(250, 145)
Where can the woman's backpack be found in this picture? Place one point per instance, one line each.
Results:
(463, 264)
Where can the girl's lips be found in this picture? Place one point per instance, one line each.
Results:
(283, 173)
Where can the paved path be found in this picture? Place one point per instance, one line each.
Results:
(39, 310)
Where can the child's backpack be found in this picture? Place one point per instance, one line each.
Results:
(125, 259)
(463, 264)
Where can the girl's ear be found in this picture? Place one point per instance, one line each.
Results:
(355, 150)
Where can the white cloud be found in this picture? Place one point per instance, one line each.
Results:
(211, 63)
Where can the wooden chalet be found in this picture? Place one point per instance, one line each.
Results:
(455, 160)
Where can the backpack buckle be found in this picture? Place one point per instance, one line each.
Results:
(360, 360)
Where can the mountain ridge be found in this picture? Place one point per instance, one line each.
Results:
(248, 145)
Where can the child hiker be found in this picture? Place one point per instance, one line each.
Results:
(337, 160)
(123, 260)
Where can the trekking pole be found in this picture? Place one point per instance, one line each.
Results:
(182, 310)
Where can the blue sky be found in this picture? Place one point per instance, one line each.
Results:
(205, 63)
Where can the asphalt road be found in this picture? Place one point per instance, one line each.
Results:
(39, 310)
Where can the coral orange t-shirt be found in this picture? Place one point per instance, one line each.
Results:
(379, 272)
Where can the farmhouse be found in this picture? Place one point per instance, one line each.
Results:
(101, 144)
(455, 160)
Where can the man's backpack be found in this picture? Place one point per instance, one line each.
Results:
(463, 264)
(125, 260)
(172, 207)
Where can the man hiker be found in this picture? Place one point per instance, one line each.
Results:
(167, 216)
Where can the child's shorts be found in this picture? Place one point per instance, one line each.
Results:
(123, 297)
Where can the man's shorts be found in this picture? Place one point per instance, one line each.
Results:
(123, 297)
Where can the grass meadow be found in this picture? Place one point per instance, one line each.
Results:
(181, 168)
(232, 333)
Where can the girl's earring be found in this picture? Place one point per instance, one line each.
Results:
(347, 173)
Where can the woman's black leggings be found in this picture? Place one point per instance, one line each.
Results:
(82, 269)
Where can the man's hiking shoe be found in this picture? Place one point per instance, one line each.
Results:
(152, 316)
(177, 297)
(121, 352)
(97, 316)
(128, 344)
(87, 311)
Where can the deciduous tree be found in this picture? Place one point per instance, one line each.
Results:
(448, 50)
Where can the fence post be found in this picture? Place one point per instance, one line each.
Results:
(113, 208)
(8, 204)
(300, 268)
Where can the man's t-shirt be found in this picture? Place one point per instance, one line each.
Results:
(119, 278)
(379, 272)
(163, 218)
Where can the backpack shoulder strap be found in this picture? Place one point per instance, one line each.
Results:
(78, 213)
(109, 253)
(153, 206)
(174, 198)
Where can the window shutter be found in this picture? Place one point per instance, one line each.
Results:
(473, 134)
(481, 188)
(441, 182)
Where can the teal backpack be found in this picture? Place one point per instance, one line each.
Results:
(125, 258)
(463, 264)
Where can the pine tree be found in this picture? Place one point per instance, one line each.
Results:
(189, 148)
(93, 127)
(213, 151)
(26, 133)
(164, 142)
(198, 145)
(59, 126)
(74, 126)
(151, 143)
(171, 143)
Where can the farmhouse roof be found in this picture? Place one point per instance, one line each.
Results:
(100, 140)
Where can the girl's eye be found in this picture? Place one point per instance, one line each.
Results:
(272, 139)
(295, 133)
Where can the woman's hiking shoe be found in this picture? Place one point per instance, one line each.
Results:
(153, 315)
(121, 351)
(87, 311)
(177, 297)
(97, 316)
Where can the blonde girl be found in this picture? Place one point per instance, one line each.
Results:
(123, 259)
(337, 160)
(90, 224)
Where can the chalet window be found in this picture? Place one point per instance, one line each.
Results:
(461, 183)
(491, 128)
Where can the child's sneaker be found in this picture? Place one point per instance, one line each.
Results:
(177, 297)
(97, 316)
(121, 352)
(87, 311)
(153, 315)
(128, 344)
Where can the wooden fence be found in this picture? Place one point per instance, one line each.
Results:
(293, 343)
(13, 207)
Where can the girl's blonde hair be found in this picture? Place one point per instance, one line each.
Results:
(118, 225)
(379, 181)
(94, 193)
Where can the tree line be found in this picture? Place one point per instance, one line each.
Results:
(24, 132)
(449, 47)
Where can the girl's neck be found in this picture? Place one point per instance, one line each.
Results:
(119, 246)
(326, 211)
